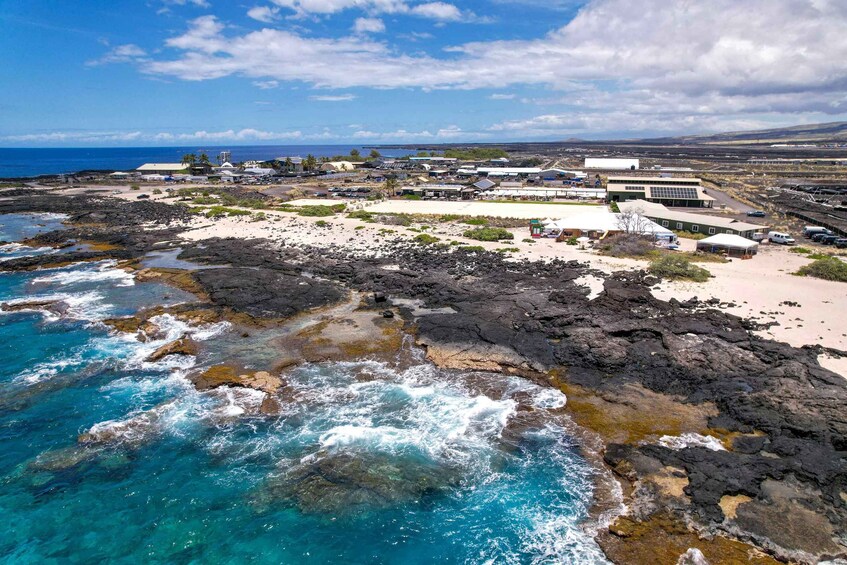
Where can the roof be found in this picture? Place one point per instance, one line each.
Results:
(606, 221)
(727, 240)
(162, 167)
(483, 184)
(510, 170)
(610, 163)
(647, 180)
(654, 210)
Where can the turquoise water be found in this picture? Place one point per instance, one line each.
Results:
(367, 463)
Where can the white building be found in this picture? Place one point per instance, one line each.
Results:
(611, 164)
(161, 168)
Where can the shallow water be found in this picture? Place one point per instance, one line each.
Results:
(367, 463)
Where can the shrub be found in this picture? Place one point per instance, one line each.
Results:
(571, 240)
(157, 191)
(676, 267)
(528, 240)
(426, 239)
(800, 250)
(829, 268)
(625, 245)
(613, 207)
(476, 222)
(219, 211)
(411, 197)
(489, 234)
(316, 211)
(473, 248)
(258, 217)
(359, 227)
(134, 187)
(507, 250)
(205, 200)
(690, 235)
(321, 223)
(361, 215)
(449, 218)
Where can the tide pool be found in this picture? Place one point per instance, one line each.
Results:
(366, 463)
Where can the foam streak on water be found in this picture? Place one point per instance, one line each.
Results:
(365, 463)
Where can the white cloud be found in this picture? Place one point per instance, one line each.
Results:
(127, 53)
(502, 97)
(266, 84)
(264, 14)
(653, 64)
(198, 3)
(437, 11)
(369, 25)
(333, 98)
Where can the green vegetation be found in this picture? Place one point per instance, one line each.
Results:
(204, 200)
(818, 256)
(507, 250)
(411, 197)
(800, 250)
(528, 240)
(488, 234)
(690, 235)
(157, 191)
(425, 239)
(677, 267)
(320, 210)
(220, 211)
(829, 268)
(476, 222)
(473, 248)
(571, 240)
(359, 227)
(361, 215)
(134, 187)
(476, 153)
(613, 206)
(322, 223)
(258, 217)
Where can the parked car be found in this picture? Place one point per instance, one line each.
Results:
(810, 231)
(780, 237)
(756, 214)
(829, 239)
(143, 196)
(841, 242)
(819, 236)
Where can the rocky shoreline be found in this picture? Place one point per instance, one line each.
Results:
(723, 441)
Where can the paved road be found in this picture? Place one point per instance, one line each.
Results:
(723, 199)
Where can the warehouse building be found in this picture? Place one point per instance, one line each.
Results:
(611, 164)
(690, 222)
(673, 192)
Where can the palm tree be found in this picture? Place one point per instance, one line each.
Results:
(189, 159)
(389, 188)
(310, 162)
(289, 164)
(204, 158)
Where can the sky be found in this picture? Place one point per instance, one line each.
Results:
(178, 72)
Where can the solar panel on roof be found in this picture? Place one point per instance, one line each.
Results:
(673, 192)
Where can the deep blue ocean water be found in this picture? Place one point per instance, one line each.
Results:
(23, 162)
(409, 465)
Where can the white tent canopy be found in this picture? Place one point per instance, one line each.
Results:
(728, 240)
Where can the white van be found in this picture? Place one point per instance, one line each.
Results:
(780, 237)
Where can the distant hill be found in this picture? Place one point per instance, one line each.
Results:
(833, 131)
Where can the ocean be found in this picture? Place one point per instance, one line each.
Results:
(411, 465)
(16, 163)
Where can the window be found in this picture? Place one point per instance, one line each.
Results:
(679, 225)
(711, 231)
(730, 232)
(695, 228)
(665, 223)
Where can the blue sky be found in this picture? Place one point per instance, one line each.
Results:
(172, 72)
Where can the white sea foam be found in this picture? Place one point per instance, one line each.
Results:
(691, 440)
(102, 272)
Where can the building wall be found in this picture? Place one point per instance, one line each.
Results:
(698, 227)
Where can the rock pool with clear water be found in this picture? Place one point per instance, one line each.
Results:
(368, 462)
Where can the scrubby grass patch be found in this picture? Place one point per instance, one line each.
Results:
(476, 222)
(690, 235)
(426, 239)
(677, 267)
(800, 250)
(361, 215)
(488, 234)
(319, 210)
(322, 223)
(827, 268)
